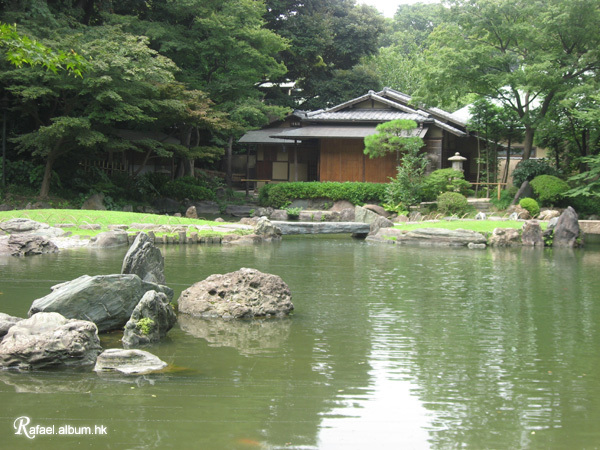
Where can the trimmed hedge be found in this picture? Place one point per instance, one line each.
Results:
(452, 203)
(531, 168)
(530, 205)
(281, 195)
(549, 189)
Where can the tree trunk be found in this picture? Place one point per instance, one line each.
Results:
(528, 142)
(45, 189)
(228, 175)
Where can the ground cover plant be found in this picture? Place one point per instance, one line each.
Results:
(103, 218)
(480, 226)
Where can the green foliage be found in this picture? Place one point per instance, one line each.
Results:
(187, 187)
(293, 212)
(506, 198)
(587, 183)
(452, 203)
(145, 325)
(548, 189)
(528, 169)
(585, 206)
(444, 180)
(407, 187)
(530, 205)
(280, 195)
(393, 136)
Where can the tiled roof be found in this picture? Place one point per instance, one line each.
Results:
(364, 115)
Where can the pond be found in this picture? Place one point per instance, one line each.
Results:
(389, 347)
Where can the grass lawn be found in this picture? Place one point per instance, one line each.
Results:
(481, 226)
(79, 217)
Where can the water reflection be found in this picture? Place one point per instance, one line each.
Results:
(247, 336)
(390, 347)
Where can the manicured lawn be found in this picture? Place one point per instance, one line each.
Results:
(481, 226)
(104, 218)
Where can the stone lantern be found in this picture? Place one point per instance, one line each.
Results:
(457, 161)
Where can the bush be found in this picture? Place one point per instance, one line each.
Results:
(452, 203)
(585, 206)
(528, 169)
(444, 180)
(506, 198)
(530, 205)
(187, 187)
(549, 189)
(281, 195)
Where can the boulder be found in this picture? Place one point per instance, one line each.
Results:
(150, 321)
(21, 225)
(191, 212)
(524, 191)
(347, 215)
(95, 203)
(260, 211)
(128, 362)
(481, 216)
(548, 214)
(207, 207)
(379, 223)
(26, 245)
(239, 210)
(434, 237)
(145, 260)
(6, 207)
(377, 210)
(364, 215)
(48, 340)
(505, 237)
(165, 205)
(566, 232)
(517, 212)
(242, 294)
(265, 228)
(6, 322)
(109, 239)
(278, 214)
(532, 234)
(106, 300)
(341, 205)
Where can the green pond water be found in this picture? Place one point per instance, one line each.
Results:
(389, 347)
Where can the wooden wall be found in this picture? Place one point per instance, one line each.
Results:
(344, 160)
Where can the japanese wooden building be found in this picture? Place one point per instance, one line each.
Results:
(328, 145)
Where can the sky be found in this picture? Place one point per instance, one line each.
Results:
(389, 7)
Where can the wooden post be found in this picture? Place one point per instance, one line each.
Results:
(295, 160)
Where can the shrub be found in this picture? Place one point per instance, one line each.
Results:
(281, 195)
(530, 205)
(187, 187)
(549, 189)
(506, 198)
(585, 206)
(452, 203)
(444, 180)
(528, 169)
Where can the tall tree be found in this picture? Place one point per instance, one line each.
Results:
(527, 54)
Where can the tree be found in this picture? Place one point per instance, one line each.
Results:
(526, 54)
(327, 39)
(395, 136)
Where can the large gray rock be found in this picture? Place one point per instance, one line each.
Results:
(207, 207)
(532, 234)
(364, 215)
(265, 228)
(341, 205)
(239, 210)
(505, 237)
(128, 362)
(377, 209)
(379, 223)
(145, 260)
(165, 205)
(566, 232)
(48, 340)
(157, 318)
(323, 227)
(434, 237)
(109, 239)
(25, 244)
(94, 203)
(278, 214)
(22, 225)
(191, 212)
(106, 300)
(524, 191)
(242, 294)
(6, 322)
(548, 214)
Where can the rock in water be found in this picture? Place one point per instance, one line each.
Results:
(128, 362)
(106, 300)
(242, 294)
(150, 321)
(29, 245)
(532, 234)
(49, 340)
(6, 322)
(505, 237)
(567, 229)
(145, 260)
